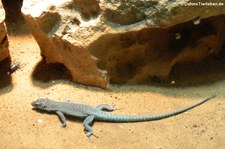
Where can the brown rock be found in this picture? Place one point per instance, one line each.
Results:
(4, 51)
(124, 41)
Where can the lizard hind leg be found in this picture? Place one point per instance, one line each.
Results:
(87, 125)
(105, 107)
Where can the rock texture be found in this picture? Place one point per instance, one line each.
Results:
(4, 51)
(13, 10)
(125, 41)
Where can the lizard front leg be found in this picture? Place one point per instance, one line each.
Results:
(86, 123)
(62, 118)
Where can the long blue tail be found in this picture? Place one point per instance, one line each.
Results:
(123, 118)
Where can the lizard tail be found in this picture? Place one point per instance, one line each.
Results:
(122, 118)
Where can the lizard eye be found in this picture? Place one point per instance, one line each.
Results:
(34, 104)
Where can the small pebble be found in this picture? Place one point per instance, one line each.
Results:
(194, 125)
(177, 36)
(172, 82)
(196, 20)
(39, 120)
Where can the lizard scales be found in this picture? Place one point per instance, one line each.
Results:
(90, 113)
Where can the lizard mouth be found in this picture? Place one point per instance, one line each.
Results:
(34, 104)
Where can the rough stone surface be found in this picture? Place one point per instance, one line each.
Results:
(124, 41)
(4, 51)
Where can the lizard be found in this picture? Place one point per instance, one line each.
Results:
(89, 113)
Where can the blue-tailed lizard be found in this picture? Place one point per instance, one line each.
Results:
(89, 114)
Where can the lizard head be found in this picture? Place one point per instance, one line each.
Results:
(41, 104)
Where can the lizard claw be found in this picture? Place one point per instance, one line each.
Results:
(89, 134)
(64, 125)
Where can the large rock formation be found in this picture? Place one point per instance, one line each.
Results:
(4, 51)
(123, 40)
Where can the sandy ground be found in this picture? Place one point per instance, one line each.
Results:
(24, 128)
